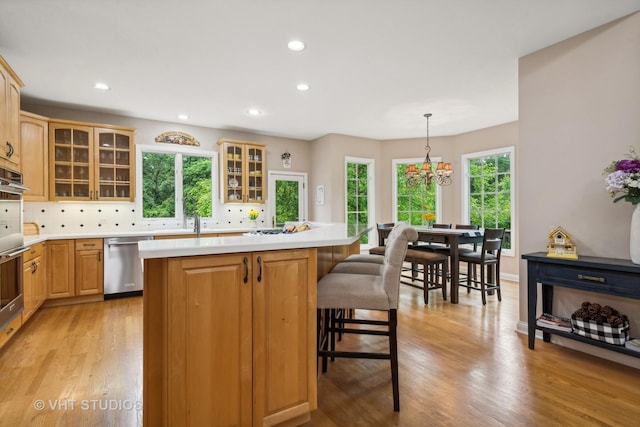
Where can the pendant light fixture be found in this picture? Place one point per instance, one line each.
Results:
(442, 174)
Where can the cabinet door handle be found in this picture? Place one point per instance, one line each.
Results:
(99, 256)
(88, 244)
(10, 149)
(34, 267)
(246, 270)
(90, 194)
(591, 278)
(260, 269)
(9, 331)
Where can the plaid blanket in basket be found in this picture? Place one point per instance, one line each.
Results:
(601, 331)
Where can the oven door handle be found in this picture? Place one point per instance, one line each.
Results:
(18, 252)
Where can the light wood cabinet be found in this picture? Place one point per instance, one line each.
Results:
(34, 134)
(89, 264)
(10, 85)
(230, 339)
(243, 169)
(60, 269)
(76, 268)
(88, 162)
(34, 286)
(9, 330)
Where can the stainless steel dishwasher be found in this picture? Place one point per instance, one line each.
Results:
(122, 267)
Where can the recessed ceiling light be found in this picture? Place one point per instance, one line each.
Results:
(101, 86)
(302, 87)
(254, 112)
(183, 117)
(295, 45)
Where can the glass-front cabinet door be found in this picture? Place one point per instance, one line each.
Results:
(71, 162)
(243, 172)
(90, 163)
(115, 168)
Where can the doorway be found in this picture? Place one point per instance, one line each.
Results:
(288, 200)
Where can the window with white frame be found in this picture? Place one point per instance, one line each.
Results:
(414, 205)
(359, 192)
(174, 183)
(488, 192)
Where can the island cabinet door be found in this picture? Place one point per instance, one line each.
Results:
(209, 341)
(284, 336)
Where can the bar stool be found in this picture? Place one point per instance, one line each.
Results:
(337, 291)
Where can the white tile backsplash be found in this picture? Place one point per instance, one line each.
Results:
(78, 217)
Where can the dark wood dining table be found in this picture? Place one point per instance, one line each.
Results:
(453, 238)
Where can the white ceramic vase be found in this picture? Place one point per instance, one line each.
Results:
(634, 243)
(254, 223)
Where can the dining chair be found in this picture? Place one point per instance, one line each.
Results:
(434, 269)
(339, 291)
(383, 232)
(488, 259)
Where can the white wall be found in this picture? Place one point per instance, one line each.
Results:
(579, 110)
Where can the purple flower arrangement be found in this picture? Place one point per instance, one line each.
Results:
(623, 178)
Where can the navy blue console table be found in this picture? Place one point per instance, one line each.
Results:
(619, 277)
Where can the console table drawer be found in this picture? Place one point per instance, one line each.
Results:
(591, 279)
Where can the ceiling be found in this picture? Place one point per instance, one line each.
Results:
(374, 66)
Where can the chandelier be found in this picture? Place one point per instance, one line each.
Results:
(442, 174)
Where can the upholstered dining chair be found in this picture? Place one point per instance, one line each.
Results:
(338, 291)
(487, 256)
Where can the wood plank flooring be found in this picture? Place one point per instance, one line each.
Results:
(460, 365)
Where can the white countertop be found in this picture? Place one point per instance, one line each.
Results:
(36, 238)
(319, 235)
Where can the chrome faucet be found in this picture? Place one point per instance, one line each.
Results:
(196, 224)
(196, 217)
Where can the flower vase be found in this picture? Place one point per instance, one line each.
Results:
(253, 223)
(634, 243)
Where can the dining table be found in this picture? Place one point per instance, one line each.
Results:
(451, 238)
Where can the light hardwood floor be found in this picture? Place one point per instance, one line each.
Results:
(460, 365)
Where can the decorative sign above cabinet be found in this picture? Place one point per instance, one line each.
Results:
(175, 137)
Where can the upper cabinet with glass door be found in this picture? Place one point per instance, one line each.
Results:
(90, 163)
(115, 164)
(243, 167)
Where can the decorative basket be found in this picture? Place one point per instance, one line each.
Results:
(601, 331)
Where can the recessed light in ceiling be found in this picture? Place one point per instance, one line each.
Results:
(101, 86)
(183, 117)
(302, 87)
(295, 45)
(254, 112)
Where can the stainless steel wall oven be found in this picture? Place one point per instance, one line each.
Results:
(11, 244)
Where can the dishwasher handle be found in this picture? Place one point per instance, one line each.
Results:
(121, 243)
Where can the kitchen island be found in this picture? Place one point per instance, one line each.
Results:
(230, 326)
